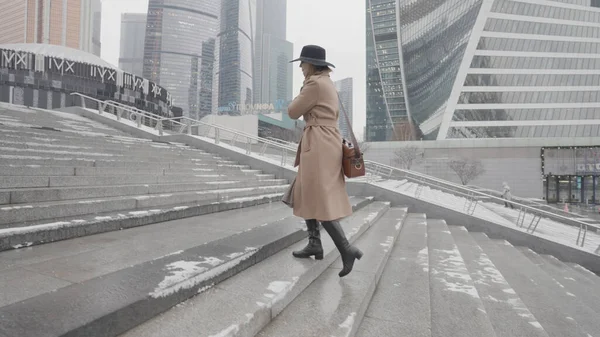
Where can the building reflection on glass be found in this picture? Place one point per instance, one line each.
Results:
(482, 69)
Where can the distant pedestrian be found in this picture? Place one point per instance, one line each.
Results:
(319, 193)
(506, 195)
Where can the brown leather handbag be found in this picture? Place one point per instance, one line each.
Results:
(353, 162)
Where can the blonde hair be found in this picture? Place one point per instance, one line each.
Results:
(313, 69)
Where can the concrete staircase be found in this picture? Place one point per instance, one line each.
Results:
(63, 176)
(190, 244)
(419, 277)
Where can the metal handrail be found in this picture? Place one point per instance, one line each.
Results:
(373, 167)
(583, 225)
(194, 123)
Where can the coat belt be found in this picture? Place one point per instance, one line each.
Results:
(330, 124)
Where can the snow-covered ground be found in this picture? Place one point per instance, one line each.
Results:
(549, 229)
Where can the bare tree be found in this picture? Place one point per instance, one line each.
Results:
(467, 170)
(364, 147)
(407, 156)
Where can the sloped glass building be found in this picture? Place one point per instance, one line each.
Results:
(455, 69)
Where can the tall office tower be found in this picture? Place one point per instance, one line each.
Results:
(483, 68)
(180, 52)
(345, 89)
(273, 74)
(70, 23)
(236, 53)
(133, 33)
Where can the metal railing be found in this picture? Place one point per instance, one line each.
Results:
(474, 196)
(283, 151)
(252, 144)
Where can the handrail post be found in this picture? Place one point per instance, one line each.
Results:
(217, 136)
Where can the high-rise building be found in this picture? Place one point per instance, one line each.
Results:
(345, 90)
(133, 33)
(71, 23)
(273, 74)
(180, 52)
(387, 113)
(483, 68)
(236, 53)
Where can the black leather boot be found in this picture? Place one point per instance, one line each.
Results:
(348, 252)
(314, 247)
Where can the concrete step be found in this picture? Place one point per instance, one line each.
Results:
(84, 258)
(509, 316)
(136, 294)
(401, 305)
(33, 195)
(131, 163)
(98, 153)
(348, 298)
(19, 216)
(456, 307)
(559, 313)
(105, 144)
(259, 293)
(11, 182)
(584, 289)
(221, 166)
(590, 275)
(130, 296)
(42, 232)
(56, 132)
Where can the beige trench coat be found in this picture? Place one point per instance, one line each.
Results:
(320, 189)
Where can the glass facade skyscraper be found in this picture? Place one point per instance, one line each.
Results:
(133, 32)
(485, 68)
(345, 90)
(180, 52)
(272, 52)
(236, 52)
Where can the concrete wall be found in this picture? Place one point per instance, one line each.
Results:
(520, 167)
(247, 124)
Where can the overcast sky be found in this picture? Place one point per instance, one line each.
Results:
(336, 25)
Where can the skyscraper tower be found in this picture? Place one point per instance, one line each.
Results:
(272, 52)
(180, 54)
(236, 53)
(71, 23)
(133, 32)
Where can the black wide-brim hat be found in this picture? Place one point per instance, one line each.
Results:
(314, 55)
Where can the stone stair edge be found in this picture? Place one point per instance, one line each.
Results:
(377, 242)
(533, 285)
(21, 196)
(508, 314)
(405, 279)
(58, 209)
(449, 280)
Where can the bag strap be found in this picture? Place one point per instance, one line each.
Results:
(352, 136)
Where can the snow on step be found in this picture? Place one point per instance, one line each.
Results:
(578, 285)
(335, 307)
(401, 303)
(456, 308)
(259, 293)
(546, 300)
(508, 314)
